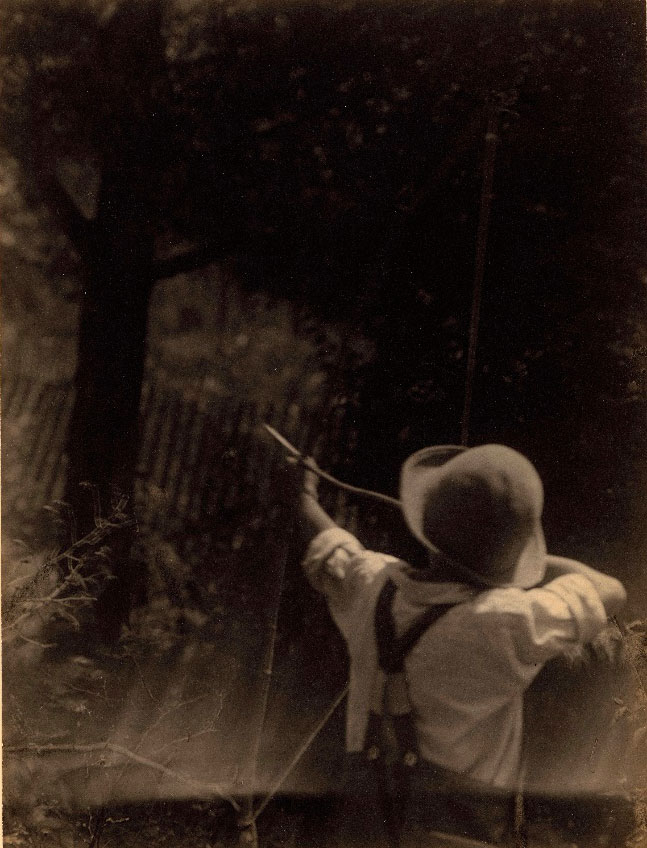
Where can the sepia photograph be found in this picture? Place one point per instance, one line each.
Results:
(324, 423)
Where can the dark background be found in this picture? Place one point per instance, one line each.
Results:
(334, 156)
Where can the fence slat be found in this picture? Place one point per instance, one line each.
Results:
(47, 446)
(9, 388)
(234, 491)
(151, 428)
(223, 459)
(181, 454)
(169, 437)
(194, 440)
(46, 406)
(199, 473)
(23, 392)
(54, 478)
(266, 459)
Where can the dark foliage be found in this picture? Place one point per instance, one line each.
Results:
(336, 154)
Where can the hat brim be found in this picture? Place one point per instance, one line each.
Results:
(419, 472)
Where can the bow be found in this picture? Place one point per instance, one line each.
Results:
(309, 463)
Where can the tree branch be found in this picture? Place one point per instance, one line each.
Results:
(204, 253)
(190, 260)
(167, 713)
(48, 748)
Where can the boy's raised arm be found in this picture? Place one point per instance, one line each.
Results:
(312, 517)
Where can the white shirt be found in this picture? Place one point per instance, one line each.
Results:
(467, 675)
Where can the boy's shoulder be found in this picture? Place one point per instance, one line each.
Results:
(570, 602)
(564, 589)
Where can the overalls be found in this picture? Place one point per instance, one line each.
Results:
(393, 797)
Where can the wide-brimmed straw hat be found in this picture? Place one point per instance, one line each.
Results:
(480, 508)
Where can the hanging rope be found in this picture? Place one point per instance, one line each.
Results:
(491, 139)
(316, 730)
(248, 834)
(489, 159)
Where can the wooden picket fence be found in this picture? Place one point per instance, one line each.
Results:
(205, 460)
(35, 414)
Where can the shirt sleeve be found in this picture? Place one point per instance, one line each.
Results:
(548, 621)
(327, 558)
(337, 565)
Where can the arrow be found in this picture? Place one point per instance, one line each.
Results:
(283, 441)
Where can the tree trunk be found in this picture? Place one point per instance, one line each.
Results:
(103, 433)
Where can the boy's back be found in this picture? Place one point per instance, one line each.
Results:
(467, 674)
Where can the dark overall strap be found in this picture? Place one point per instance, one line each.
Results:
(393, 784)
(392, 649)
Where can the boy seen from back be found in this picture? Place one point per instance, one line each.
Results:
(450, 649)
